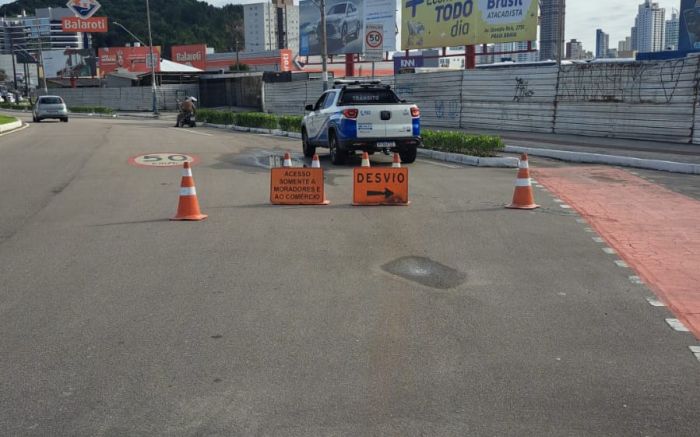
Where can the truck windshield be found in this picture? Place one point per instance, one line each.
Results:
(368, 97)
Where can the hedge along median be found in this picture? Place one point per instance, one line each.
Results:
(444, 141)
(261, 120)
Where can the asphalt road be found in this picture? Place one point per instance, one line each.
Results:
(284, 321)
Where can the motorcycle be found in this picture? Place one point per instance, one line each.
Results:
(188, 119)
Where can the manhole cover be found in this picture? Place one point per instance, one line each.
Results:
(426, 272)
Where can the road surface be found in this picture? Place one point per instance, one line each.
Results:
(450, 317)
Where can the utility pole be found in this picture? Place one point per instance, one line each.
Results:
(153, 60)
(14, 65)
(324, 46)
(41, 60)
(238, 62)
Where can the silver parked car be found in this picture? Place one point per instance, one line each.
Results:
(50, 107)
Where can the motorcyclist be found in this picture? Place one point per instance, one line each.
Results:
(187, 107)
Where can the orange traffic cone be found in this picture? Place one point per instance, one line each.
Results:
(188, 208)
(397, 161)
(315, 163)
(287, 160)
(365, 159)
(523, 198)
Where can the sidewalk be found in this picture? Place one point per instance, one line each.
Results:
(675, 152)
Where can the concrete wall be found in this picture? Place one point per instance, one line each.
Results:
(653, 100)
(126, 98)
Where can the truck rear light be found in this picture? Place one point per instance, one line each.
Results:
(351, 113)
(415, 112)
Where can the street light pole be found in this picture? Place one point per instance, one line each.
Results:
(324, 46)
(153, 74)
(153, 61)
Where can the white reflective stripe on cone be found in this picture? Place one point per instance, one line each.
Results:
(187, 172)
(522, 182)
(523, 164)
(188, 191)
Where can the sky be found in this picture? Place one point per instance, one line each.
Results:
(583, 17)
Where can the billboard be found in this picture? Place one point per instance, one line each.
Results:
(447, 23)
(345, 24)
(133, 59)
(69, 63)
(194, 55)
(689, 34)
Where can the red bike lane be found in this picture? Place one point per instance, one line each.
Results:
(654, 230)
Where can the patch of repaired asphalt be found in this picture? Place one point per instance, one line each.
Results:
(425, 272)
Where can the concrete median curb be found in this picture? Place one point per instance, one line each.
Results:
(597, 158)
(476, 161)
(9, 127)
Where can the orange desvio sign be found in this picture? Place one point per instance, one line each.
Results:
(380, 186)
(86, 25)
(297, 186)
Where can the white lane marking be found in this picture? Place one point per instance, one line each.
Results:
(565, 206)
(677, 325)
(696, 351)
(558, 200)
(598, 240)
(636, 280)
(655, 302)
(580, 220)
(609, 250)
(589, 230)
(621, 263)
(533, 181)
(439, 164)
(179, 129)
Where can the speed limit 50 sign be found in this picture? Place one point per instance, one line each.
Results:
(374, 42)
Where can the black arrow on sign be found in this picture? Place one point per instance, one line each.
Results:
(387, 193)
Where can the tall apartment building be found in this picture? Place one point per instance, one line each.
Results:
(672, 32)
(648, 32)
(552, 28)
(625, 45)
(602, 44)
(271, 26)
(574, 50)
(42, 30)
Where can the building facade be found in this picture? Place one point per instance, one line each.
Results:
(574, 50)
(672, 32)
(649, 28)
(552, 29)
(42, 30)
(271, 26)
(602, 44)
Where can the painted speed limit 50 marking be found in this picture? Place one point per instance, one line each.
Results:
(166, 159)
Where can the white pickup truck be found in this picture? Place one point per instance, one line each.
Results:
(361, 116)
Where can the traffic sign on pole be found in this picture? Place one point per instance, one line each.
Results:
(374, 42)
